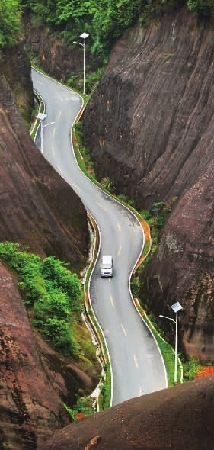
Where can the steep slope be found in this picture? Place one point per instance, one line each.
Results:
(31, 395)
(180, 419)
(38, 209)
(150, 126)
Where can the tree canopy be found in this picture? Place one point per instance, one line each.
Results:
(10, 19)
(51, 290)
(103, 20)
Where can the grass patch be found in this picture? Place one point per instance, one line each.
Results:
(105, 381)
(166, 349)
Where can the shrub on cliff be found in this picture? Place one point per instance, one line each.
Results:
(104, 21)
(10, 13)
(54, 293)
(203, 9)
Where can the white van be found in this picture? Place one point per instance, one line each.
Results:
(107, 267)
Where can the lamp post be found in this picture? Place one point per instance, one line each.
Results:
(175, 307)
(42, 117)
(83, 36)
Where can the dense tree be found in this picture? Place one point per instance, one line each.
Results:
(54, 293)
(10, 13)
(105, 20)
(203, 9)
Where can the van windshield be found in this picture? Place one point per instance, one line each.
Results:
(107, 266)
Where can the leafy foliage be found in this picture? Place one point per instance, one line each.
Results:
(191, 367)
(103, 20)
(203, 9)
(156, 218)
(57, 276)
(10, 13)
(106, 20)
(52, 290)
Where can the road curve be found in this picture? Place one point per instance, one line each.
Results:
(137, 365)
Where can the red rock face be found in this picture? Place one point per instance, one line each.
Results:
(182, 269)
(150, 128)
(57, 59)
(180, 418)
(31, 404)
(38, 209)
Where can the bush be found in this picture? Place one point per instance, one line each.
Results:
(54, 292)
(202, 9)
(10, 28)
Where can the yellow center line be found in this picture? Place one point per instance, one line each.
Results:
(54, 131)
(118, 226)
(135, 360)
(76, 187)
(124, 331)
(111, 300)
(101, 206)
(59, 115)
(118, 253)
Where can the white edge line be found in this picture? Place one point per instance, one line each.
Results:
(89, 282)
(125, 207)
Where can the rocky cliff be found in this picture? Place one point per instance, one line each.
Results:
(180, 418)
(38, 209)
(57, 59)
(149, 126)
(31, 394)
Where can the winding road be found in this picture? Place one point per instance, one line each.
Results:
(137, 366)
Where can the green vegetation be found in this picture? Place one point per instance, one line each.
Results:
(7, 445)
(10, 14)
(76, 82)
(155, 218)
(166, 349)
(84, 404)
(52, 291)
(83, 158)
(191, 368)
(202, 9)
(104, 20)
(54, 300)
(105, 381)
(187, 367)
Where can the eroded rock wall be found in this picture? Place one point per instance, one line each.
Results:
(59, 60)
(31, 398)
(38, 208)
(150, 127)
(15, 66)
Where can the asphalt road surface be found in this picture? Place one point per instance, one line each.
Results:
(137, 366)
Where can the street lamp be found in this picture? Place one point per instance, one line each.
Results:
(175, 307)
(83, 36)
(42, 117)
